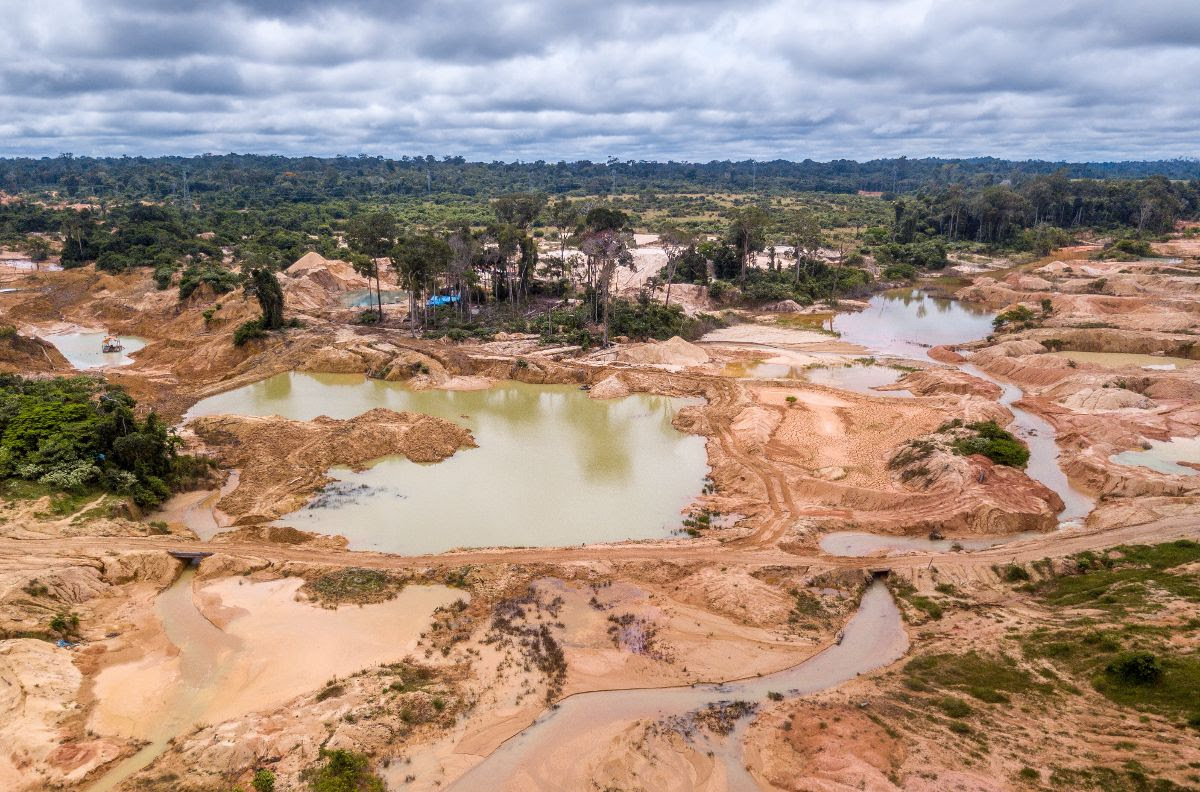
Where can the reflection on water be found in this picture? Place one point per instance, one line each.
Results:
(859, 379)
(906, 322)
(82, 350)
(1165, 456)
(1122, 359)
(553, 466)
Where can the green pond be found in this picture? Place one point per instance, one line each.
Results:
(553, 467)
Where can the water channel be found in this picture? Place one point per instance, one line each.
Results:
(873, 638)
(553, 467)
(907, 322)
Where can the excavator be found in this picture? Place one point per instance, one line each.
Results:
(111, 344)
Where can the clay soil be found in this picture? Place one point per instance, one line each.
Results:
(507, 632)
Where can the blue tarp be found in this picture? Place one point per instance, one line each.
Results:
(442, 299)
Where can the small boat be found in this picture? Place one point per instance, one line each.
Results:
(111, 344)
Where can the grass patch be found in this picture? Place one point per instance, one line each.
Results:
(1129, 581)
(355, 585)
(62, 503)
(986, 678)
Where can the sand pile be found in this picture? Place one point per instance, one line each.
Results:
(1105, 399)
(935, 381)
(673, 352)
(315, 281)
(283, 461)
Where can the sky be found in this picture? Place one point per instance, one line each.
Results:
(662, 79)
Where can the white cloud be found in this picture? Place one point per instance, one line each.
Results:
(572, 79)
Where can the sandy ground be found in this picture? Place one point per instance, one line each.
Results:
(719, 606)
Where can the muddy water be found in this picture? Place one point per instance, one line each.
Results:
(82, 350)
(1165, 456)
(1123, 359)
(202, 650)
(1038, 434)
(859, 379)
(553, 466)
(537, 757)
(906, 322)
(853, 544)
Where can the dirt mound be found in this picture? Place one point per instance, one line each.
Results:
(1014, 348)
(783, 306)
(21, 354)
(611, 387)
(1105, 399)
(934, 381)
(315, 282)
(672, 352)
(284, 461)
(38, 687)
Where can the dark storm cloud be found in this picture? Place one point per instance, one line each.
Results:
(659, 79)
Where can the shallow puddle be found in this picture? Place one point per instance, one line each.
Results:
(906, 322)
(553, 467)
(82, 350)
(1122, 360)
(219, 674)
(859, 379)
(546, 752)
(1165, 456)
(852, 544)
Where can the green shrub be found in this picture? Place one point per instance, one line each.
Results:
(248, 331)
(1013, 315)
(995, 443)
(343, 771)
(1136, 668)
(221, 280)
(264, 781)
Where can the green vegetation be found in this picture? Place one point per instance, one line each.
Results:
(354, 584)
(79, 435)
(1127, 579)
(264, 781)
(343, 771)
(987, 678)
(1128, 660)
(993, 442)
(1020, 315)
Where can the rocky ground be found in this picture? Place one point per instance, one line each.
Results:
(986, 699)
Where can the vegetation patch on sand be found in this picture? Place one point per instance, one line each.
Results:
(354, 585)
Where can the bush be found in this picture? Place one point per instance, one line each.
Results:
(1136, 668)
(221, 280)
(248, 331)
(995, 443)
(264, 781)
(343, 771)
(79, 433)
(1012, 316)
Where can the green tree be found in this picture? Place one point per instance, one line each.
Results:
(374, 236)
(746, 233)
(565, 217)
(37, 248)
(806, 239)
(418, 259)
(676, 242)
(266, 289)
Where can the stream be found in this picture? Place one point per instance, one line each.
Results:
(201, 649)
(873, 638)
(907, 322)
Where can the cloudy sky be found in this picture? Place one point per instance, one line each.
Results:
(658, 79)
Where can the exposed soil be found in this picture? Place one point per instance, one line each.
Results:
(754, 594)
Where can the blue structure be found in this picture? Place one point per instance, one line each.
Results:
(442, 299)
